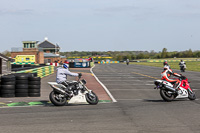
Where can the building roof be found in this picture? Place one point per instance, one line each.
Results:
(62, 56)
(50, 55)
(4, 57)
(47, 44)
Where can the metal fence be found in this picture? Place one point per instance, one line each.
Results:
(17, 49)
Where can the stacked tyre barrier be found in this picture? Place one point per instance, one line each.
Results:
(7, 86)
(20, 85)
(34, 86)
(40, 72)
(21, 88)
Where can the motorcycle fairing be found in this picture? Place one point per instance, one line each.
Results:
(183, 93)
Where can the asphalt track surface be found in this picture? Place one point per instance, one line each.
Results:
(139, 108)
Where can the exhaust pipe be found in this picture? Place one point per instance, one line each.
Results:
(170, 88)
(59, 90)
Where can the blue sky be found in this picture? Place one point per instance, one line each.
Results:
(102, 25)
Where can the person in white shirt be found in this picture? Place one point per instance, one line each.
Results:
(61, 76)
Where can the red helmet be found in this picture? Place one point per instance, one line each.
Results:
(165, 63)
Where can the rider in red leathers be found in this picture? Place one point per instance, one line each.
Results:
(167, 72)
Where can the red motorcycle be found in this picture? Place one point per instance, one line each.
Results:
(168, 93)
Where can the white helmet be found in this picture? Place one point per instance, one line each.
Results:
(66, 66)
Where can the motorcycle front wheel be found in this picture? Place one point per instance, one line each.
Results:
(166, 95)
(57, 99)
(191, 95)
(92, 98)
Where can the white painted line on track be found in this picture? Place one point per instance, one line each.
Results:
(108, 92)
(144, 99)
(130, 99)
(131, 89)
(149, 84)
(131, 84)
(150, 81)
(123, 77)
(108, 75)
(123, 80)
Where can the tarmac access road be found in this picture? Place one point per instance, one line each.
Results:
(139, 108)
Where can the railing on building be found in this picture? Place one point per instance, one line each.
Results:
(17, 49)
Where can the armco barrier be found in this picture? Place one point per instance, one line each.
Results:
(169, 60)
(53, 64)
(107, 62)
(81, 64)
(41, 71)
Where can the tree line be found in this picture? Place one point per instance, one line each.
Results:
(134, 55)
(131, 55)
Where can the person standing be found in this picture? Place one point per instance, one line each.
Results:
(127, 61)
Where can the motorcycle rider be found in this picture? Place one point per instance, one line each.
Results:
(165, 75)
(182, 65)
(127, 61)
(165, 63)
(61, 76)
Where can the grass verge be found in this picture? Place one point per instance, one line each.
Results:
(191, 66)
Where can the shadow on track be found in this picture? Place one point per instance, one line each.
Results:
(149, 100)
(176, 100)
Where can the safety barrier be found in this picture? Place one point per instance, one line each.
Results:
(107, 62)
(53, 64)
(41, 71)
(168, 60)
(20, 85)
(23, 63)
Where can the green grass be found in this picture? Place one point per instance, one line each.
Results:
(191, 66)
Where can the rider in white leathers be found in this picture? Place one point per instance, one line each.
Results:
(61, 76)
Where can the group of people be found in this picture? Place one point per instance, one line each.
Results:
(62, 72)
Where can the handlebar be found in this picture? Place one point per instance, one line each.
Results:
(79, 75)
(183, 77)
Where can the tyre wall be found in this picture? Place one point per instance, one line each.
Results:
(20, 85)
(26, 83)
(7, 86)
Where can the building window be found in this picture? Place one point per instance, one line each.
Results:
(25, 45)
(32, 45)
(52, 51)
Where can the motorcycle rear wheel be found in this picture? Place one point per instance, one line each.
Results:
(166, 96)
(92, 98)
(56, 99)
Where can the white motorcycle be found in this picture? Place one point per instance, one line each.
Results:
(168, 93)
(59, 97)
